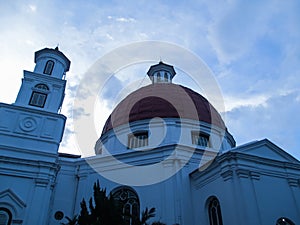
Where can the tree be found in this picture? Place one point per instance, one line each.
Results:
(105, 210)
(146, 215)
(71, 221)
(84, 217)
(158, 223)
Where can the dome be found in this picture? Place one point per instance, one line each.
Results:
(163, 100)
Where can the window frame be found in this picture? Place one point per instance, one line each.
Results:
(49, 67)
(127, 197)
(36, 97)
(166, 77)
(214, 211)
(198, 137)
(158, 77)
(135, 142)
(39, 93)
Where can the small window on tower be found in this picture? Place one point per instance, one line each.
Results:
(166, 77)
(138, 139)
(49, 67)
(39, 95)
(158, 77)
(201, 139)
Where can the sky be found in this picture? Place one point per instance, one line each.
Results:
(251, 47)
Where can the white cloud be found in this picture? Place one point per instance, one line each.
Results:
(123, 19)
(233, 102)
(32, 8)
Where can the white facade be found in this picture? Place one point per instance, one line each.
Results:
(257, 183)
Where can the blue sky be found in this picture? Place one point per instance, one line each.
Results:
(252, 47)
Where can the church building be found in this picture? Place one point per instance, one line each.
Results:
(163, 146)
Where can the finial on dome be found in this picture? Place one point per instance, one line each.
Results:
(161, 73)
(56, 48)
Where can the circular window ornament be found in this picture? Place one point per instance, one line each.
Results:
(28, 124)
(59, 215)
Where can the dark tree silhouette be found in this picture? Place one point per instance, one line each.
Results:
(71, 221)
(105, 210)
(102, 209)
(146, 215)
(158, 223)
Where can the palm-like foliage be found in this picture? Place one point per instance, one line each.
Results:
(104, 210)
(146, 215)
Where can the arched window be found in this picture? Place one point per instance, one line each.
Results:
(214, 212)
(39, 95)
(5, 216)
(49, 67)
(158, 77)
(284, 221)
(166, 77)
(42, 87)
(128, 201)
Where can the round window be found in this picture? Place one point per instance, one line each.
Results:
(59, 215)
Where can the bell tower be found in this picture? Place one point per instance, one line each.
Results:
(33, 122)
(44, 88)
(31, 130)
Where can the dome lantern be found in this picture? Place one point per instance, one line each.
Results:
(161, 73)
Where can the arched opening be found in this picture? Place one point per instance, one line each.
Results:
(49, 67)
(5, 216)
(214, 212)
(129, 203)
(158, 77)
(166, 78)
(284, 221)
(39, 95)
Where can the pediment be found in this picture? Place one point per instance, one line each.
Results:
(265, 149)
(10, 197)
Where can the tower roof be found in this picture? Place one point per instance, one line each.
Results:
(161, 66)
(51, 51)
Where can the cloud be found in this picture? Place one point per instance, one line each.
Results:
(276, 120)
(235, 30)
(32, 8)
(233, 102)
(122, 19)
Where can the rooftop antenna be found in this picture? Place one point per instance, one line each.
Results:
(56, 48)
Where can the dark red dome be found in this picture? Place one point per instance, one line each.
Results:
(163, 100)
